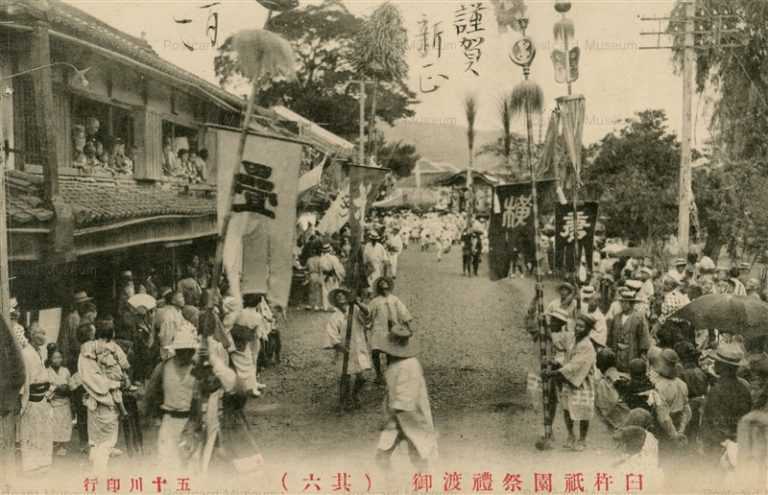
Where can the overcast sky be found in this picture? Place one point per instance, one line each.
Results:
(616, 77)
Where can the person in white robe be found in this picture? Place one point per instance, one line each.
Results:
(577, 375)
(407, 405)
(332, 272)
(358, 351)
(374, 258)
(394, 248)
(386, 310)
(36, 416)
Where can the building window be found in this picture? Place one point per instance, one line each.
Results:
(182, 156)
(27, 129)
(102, 137)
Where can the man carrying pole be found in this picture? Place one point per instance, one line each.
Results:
(364, 183)
(527, 98)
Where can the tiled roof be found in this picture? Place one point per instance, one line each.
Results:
(102, 201)
(73, 21)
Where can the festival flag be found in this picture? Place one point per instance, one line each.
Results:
(583, 233)
(337, 214)
(364, 186)
(511, 226)
(572, 117)
(259, 243)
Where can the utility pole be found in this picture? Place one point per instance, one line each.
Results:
(691, 34)
(689, 60)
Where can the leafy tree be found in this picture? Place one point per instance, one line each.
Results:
(323, 37)
(738, 75)
(634, 172)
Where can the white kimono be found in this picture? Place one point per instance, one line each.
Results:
(374, 258)
(408, 408)
(336, 332)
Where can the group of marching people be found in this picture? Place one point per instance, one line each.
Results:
(181, 360)
(673, 397)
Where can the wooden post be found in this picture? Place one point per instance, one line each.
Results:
(40, 56)
(684, 211)
(361, 157)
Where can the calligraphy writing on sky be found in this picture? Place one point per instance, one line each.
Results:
(211, 28)
(468, 21)
(431, 49)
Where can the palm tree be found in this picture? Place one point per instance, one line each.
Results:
(381, 46)
(470, 111)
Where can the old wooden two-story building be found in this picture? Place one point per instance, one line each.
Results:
(93, 121)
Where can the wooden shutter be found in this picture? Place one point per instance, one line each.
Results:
(63, 124)
(148, 135)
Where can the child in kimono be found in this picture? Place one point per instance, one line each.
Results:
(62, 408)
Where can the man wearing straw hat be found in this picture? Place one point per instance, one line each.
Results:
(335, 338)
(409, 414)
(172, 385)
(628, 334)
(67, 340)
(727, 401)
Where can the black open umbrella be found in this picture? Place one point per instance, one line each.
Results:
(739, 315)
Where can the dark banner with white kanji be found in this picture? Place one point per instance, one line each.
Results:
(565, 233)
(511, 231)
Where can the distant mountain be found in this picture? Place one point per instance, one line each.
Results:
(442, 142)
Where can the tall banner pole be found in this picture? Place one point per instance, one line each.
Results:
(527, 97)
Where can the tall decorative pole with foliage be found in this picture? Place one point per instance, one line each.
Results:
(526, 99)
(470, 111)
(379, 55)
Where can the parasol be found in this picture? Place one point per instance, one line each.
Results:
(142, 300)
(739, 315)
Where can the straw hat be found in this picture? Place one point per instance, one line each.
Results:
(333, 296)
(326, 248)
(744, 266)
(560, 314)
(566, 285)
(587, 291)
(628, 295)
(81, 296)
(680, 262)
(730, 354)
(185, 339)
(635, 285)
(398, 343)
